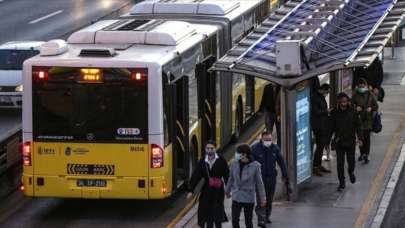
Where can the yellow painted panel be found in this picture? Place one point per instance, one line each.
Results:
(127, 159)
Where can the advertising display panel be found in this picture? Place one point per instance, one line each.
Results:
(303, 134)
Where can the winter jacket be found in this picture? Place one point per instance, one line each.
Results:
(345, 125)
(244, 188)
(365, 100)
(319, 113)
(267, 157)
(211, 201)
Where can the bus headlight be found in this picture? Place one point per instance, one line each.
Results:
(19, 88)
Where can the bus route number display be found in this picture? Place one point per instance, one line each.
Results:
(303, 135)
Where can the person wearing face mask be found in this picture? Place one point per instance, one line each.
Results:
(345, 126)
(268, 154)
(245, 180)
(365, 104)
(213, 168)
(319, 123)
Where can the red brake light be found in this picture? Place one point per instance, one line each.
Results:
(26, 153)
(140, 74)
(40, 74)
(156, 156)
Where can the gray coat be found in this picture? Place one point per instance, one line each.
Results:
(244, 190)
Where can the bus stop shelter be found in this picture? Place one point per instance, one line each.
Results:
(304, 39)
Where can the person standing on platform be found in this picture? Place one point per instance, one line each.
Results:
(365, 104)
(319, 122)
(214, 170)
(345, 126)
(268, 154)
(245, 180)
(268, 106)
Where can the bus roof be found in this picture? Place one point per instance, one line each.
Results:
(227, 9)
(125, 51)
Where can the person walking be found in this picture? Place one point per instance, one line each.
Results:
(345, 126)
(319, 122)
(244, 181)
(268, 154)
(365, 105)
(213, 168)
(268, 106)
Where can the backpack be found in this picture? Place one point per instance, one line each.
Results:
(376, 125)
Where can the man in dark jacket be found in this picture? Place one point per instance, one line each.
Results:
(319, 122)
(267, 154)
(345, 125)
(365, 104)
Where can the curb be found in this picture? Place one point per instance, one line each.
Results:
(389, 190)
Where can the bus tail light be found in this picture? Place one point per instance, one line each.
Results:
(164, 187)
(139, 74)
(26, 153)
(40, 74)
(156, 156)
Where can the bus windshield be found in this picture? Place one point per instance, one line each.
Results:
(13, 59)
(114, 109)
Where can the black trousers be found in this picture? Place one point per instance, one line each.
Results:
(211, 224)
(264, 213)
(247, 210)
(365, 149)
(341, 153)
(320, 145)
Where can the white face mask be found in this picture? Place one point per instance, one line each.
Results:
(267, 143)
(237, 156)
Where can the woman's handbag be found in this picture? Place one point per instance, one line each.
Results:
(214, 182)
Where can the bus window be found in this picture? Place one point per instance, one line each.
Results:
(192, 100)
(66, 109)
(166, 111)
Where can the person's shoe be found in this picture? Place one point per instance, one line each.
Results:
(352, 178)
(263, 225)
(366, 160)
(317, 172)
(341, 187)
(324, 170)
(361, 158)
(268, 221)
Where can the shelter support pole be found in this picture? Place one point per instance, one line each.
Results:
(288, 140)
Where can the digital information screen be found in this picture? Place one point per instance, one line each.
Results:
(303, 135)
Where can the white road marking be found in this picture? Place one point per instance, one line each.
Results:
(403, 81)
(45, 17)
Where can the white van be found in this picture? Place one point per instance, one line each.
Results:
(12, 56)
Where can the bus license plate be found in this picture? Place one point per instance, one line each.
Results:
(91, 183)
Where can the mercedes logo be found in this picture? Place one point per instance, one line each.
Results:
(90, 136)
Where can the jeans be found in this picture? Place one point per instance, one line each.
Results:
(341, 152)
(247, 210)
(264, 213)
(365, 149)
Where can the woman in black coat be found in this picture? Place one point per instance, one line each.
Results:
(214, 169)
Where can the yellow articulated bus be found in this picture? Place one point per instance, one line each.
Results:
(123, 108)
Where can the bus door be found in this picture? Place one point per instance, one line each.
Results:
(206, 100)
(250, 96)
(181, 130)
